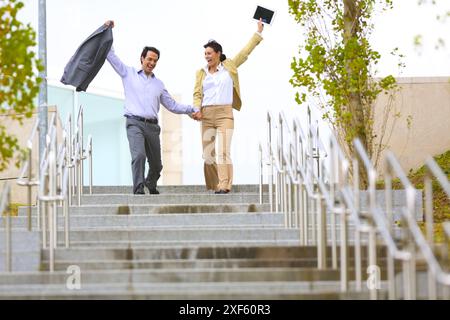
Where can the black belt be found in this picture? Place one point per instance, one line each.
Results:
(129, 116)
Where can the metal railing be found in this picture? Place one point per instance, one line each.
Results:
(27, 168)
(307, 188)
(53, 190)
(437, 274)
(79, 155)
(5, 211)
(60, 178)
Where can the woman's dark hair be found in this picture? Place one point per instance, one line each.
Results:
(147, 49)
(213, 44)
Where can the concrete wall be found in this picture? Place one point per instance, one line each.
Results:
(423, 125)
(19, 193)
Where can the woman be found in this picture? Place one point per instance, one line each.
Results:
(217, 93)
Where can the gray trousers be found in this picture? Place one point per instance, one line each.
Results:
(145, 144)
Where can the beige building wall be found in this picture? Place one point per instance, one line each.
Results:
(422, 127)
(19, 193)
(171, 145)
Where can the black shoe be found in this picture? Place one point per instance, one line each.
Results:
(139, 191)
(151, 190)
(221, 192)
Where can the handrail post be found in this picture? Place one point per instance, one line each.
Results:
(90, 164)
(289, 201)
(66, 213)
(9, 232)
(81, 151)
(372, 233)
(269, 151)
(344, 249)
(357, 205)
(295, 192)
(297, 177)
(30, 174)
(310, 173)
(305, 206)
(280, 149)
(285, 197)
(313, 215)
(5, 207)
(321, 233)
(390, 218)
(432, 290)
(78, 172)
(69, 164)
(261, 173)
(51, 213)
(334, 175)
(53, 192)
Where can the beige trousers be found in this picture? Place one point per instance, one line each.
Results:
(217, 126)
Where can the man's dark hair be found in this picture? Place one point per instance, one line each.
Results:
(213, 44)
(147, 49)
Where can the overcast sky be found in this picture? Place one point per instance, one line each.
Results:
(179, 28)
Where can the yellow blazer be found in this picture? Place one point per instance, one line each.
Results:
(231, 66)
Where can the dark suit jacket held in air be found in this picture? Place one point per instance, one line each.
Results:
(88, 59)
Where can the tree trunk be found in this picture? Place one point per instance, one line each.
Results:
(355, 104)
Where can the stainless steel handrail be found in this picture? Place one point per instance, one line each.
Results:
(28, 168)
(54, 187)
(5, 206)
(392, 168)
(60, 164)
(432, 170)
(426, 250)
(89, 156)
(372, 176)
(305, 187)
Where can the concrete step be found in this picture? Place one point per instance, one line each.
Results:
(181, 264)
(191, 291)
(158, 209)
(196, 253)
(188, 198)
(146, 234)
(159, 220)
(244, 188)
(186, 221)
(26, 250)
(21, 240)
(62, 265)
(170, 243)
(24, 261)
(173, 275)
(111, 294)
(422, 277)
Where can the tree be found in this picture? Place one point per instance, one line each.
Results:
(19, 83)
(335, 69)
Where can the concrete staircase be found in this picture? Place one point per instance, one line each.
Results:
(185, 243)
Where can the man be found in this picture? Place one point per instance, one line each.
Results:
(143, 95)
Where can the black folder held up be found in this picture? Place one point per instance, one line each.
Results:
(265, 14)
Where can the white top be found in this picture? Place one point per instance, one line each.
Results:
(217, 87)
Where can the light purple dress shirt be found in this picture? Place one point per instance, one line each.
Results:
(143, 95)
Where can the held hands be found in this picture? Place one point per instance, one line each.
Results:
(197, 116)
(260, 25)
(109, 23)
